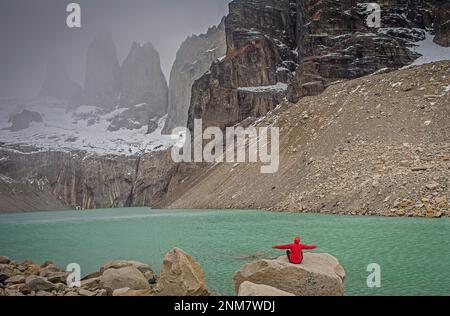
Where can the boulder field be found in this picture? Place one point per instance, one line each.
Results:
(181, 275)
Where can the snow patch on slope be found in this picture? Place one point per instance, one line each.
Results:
(85, 129)
(279, 87)
(430, 51)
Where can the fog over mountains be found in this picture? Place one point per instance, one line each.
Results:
(32, 32)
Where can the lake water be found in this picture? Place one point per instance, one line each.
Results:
(414, 254)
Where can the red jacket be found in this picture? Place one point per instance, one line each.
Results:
(296, 255)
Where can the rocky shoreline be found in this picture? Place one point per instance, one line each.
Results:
(181, 275)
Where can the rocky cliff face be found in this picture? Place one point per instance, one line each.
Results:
(335, 42)
(144, 90)
(81, 181)
(442, 22)
(193, 60)
(307, 45)
(57, 83)
(102, 82)
(260, 43)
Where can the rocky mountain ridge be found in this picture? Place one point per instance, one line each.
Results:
(279, 55)
(378, 145)
(137, 87)
(306, 45)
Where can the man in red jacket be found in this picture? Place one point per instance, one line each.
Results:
(295, 250)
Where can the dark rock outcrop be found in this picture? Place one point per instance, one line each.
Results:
(23, 120)
(193, 60)
(102, 82)
(57, 83)
(334, 41)
(144, 90)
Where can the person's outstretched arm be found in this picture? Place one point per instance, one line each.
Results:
(282, 247)
(309, 247)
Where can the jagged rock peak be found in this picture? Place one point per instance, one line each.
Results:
(144, 89)
(143, 80)
(57, 83)
(211, 30)
(102, 81)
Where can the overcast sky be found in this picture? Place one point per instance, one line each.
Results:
(33, 30)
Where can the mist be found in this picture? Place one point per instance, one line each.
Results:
(33, 31)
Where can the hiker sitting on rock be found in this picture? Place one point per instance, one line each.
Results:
(295, 250)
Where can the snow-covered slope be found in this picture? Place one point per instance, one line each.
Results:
(430, 51)
(85, 129)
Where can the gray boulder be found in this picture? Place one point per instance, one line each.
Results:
(17, 279)
(318, 275)
(36, 283)
(127, 277)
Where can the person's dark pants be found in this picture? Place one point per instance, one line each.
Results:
(288, 253)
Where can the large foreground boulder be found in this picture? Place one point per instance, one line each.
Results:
(181, 276)
(251, 289)
(318, 275)
(127, 277)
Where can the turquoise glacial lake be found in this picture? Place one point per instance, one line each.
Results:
(413, 253)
